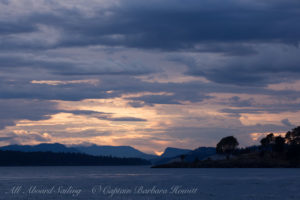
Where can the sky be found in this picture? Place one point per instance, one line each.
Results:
(148, 73)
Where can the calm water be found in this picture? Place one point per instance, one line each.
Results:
(88, 183)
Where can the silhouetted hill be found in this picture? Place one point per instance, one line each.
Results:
(200, 154)
(189, 155)
(95, 150)
(44, 147)
(116, 151)
(249, 160)
(17, 158)
(171, 152)
(273, 151)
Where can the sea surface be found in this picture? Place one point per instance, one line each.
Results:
(89, 183)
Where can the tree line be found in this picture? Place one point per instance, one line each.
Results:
(287, 146)
(17, 158)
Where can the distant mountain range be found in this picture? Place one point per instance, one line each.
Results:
(95, 150)
(115, 151)
(44, 147)
(169, 154)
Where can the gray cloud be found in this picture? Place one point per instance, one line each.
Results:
(236, 101)
(18, 109)
(238, 46)
(69, 67)
(13, 110)
(272, 63)
(16, 27)
(13, 138)
(105, 116)
(286, 122)
(128, 119)
(171, 25)
(6, 139)
(264, 108)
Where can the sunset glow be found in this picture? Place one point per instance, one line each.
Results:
(141, 74)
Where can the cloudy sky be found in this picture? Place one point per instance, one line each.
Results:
(148, 73)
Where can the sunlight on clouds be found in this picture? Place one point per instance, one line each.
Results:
(94, 122)
(118, 108)
(71, 128)
(92, 71)
(68, 123)
(24, 137)
(57, 82)
(56, 119)
(256, 136)
(171, 78)
(285, 86)
(16, 7)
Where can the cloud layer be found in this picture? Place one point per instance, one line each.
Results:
(166, 72)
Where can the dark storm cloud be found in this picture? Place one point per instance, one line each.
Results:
(18, 109)
(156, 99)
(238, 102)
(271, 64)
(228, 49)
(9, 62)
(256, 39)
(16, 27)
(174, 25)
(179, 96)
(171, 25)
(47, 92)
(232, 27)
(13, 110)
(286, 122)
(256, 74)
(86, 112)
(195, 91)
(105, 116)
(71, 68)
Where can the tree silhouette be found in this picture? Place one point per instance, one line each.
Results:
(270, 139)
(293, 137)
(268, 142)
(264, 142)
(227, 145)
(293, 141)
(279, 144)
(18, 158)
(182, 157)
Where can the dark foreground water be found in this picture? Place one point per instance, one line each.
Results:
(89, 183)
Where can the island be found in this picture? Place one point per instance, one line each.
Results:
(274, 151)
